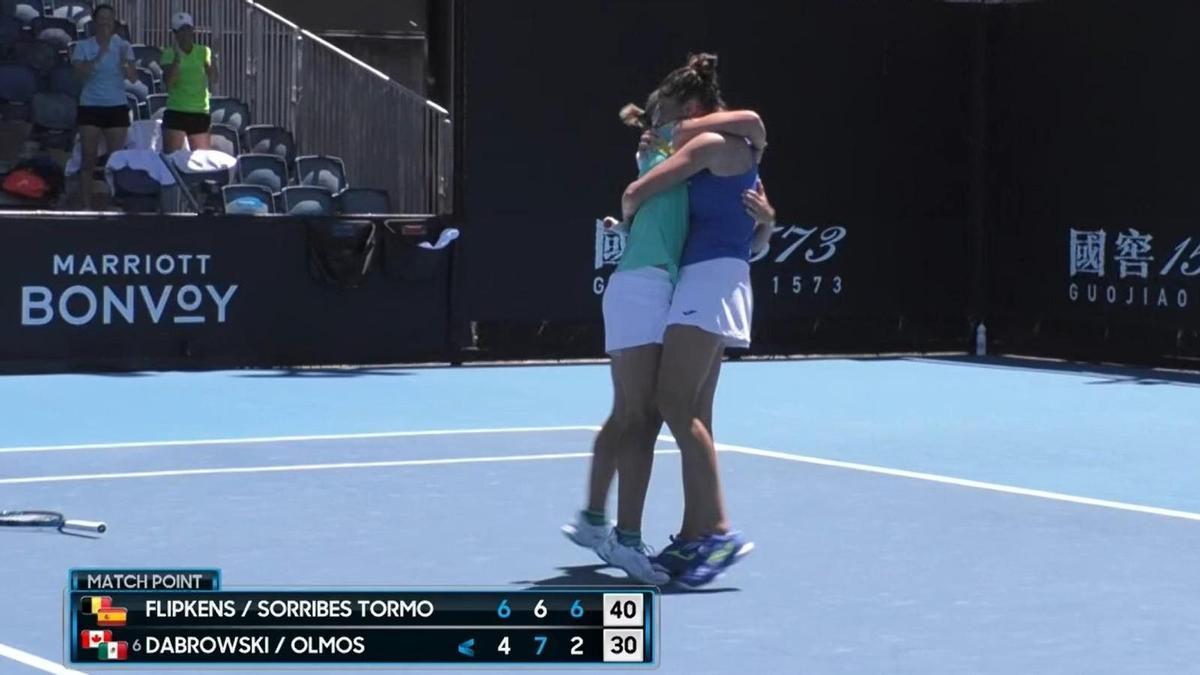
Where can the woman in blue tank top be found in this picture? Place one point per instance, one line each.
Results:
(636, 305)
(710, 310)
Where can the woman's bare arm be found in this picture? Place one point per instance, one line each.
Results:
(690, 160)
(745, 123)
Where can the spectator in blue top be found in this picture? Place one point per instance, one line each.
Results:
(102, 63)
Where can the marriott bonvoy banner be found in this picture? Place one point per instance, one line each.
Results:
(197, 292)
(102, 289)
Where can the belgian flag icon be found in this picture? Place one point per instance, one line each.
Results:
(92, 604)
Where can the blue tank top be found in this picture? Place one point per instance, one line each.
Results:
(719, 226)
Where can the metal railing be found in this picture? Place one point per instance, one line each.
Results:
(388, 136)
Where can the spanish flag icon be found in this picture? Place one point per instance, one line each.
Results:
(91, 604)
(90, 639)
(111, 616)
(113, 651)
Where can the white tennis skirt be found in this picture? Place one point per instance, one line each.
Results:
(635, 308)
(715, 296)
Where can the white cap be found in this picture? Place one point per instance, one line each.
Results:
(182, 20)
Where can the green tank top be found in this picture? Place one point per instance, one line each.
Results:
(659, 228)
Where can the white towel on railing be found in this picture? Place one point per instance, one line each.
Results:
(448, 235)
(203, 161)
(142, 160)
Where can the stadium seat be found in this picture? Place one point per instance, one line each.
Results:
(28, 10)
(231, 112)
(43, 57)
(10, 34)
(225, 139)
(78, 13)
(155, 103)
(232, 193)
(359, 201)
(147, 78)
(268, 171)
(145, 55)
(322, 171)
(62, 80)
(137, 107)
(18, 84)
(54, 121)
(266, 139)
(307, 200)
(58, 32)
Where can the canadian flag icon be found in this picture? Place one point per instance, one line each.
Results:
(90, 639)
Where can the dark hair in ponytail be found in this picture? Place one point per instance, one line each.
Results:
(695, 81)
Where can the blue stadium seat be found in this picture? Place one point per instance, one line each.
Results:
(232, 193)
(267, 139)
(147, 78)
(58, 32)
(54, 120)
(18, 84)
(268, 171)
(322, 171)
(62, 80)
(307, 200)
(225, 139)
(230, 112)
(145, 55)
(137, 107)
(361, 201)
(10, 34)
(155, 103)
(28, 10)
(43, 57)
(77, 11)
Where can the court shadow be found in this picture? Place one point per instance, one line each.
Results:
(591, 575)
(328, 372)
(1106, 373)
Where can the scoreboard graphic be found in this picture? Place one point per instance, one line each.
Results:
(184, 617)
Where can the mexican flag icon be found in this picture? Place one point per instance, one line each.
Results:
(113, 651)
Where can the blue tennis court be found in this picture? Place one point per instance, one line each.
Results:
(911, 515)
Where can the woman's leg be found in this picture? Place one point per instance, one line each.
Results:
(707, 396)
(89, 146)
(687, 361)
(633, 374)
(173, 140)
(637, 375)
(200, 141)
(114, 138)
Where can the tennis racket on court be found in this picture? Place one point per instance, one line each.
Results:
(50, 519)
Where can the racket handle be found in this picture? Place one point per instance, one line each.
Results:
(91, 526)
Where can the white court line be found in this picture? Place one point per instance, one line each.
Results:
(725, 447)
(290, 439)
(962, 482)
(37, 662)
(301, 467)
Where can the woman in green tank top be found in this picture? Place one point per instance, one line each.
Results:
(636, 302)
